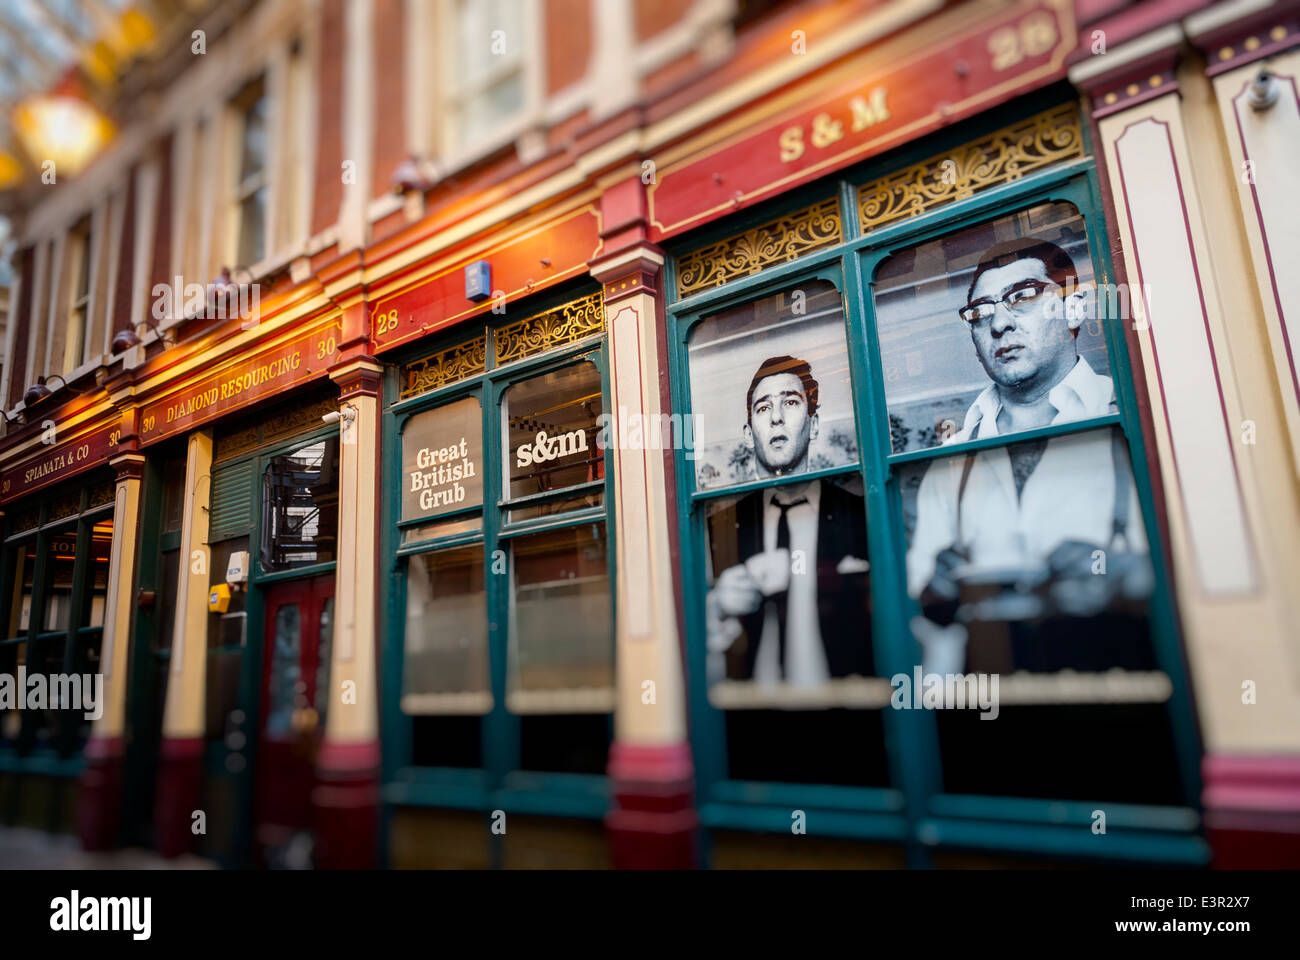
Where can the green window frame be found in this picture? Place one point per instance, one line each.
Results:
(500, 780)
(914, 811)
(36, 526)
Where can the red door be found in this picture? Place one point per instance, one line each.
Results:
(295, 685)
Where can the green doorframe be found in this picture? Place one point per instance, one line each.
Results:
(216, 753)
(143, 721)
(1173, 835)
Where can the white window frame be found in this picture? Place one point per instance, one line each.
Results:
(78, 262)
(452, 91)
(240, 190)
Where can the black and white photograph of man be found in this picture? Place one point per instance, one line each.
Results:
(794, 606)
(1038, 509)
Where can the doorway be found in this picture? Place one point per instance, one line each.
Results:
(295, 677)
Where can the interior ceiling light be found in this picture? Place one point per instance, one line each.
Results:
(67, 130)
(11, 171)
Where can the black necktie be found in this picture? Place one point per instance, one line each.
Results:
(783, 543)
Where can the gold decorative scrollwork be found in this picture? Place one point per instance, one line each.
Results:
(66, 505)
(233, 444)
(446, 366)
(569, 323)
(296, 418)
(777, 241)
(27, 519)
(101, 493)
(1048, 138)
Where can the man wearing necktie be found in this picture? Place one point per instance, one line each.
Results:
(795, 607)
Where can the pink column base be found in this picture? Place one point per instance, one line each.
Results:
(99, 799)
(345, 804)
(1252, 811)
(653, 825)
(180, 769)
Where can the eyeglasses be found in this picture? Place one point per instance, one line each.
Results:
(1020, 299)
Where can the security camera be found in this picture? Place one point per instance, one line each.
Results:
(348, 414)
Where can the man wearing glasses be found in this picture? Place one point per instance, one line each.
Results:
(1022, 508)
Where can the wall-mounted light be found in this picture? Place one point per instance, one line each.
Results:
(414, 175)
(39, 390)
(1264, 89)
(126, 338)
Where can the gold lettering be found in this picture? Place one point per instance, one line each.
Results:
(826, 131)
(866, 114)
(791, 144)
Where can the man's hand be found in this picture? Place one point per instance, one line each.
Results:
(736, 593)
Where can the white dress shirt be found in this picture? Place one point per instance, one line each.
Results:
(805, 657)
(1069, 496)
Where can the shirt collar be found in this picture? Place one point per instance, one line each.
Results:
(812, 491)
(1081, 393)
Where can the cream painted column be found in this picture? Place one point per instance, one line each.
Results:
(180, 767)
(100, 796)
(354, 718)
(647, 643)
(346, 797)
(183, 716)
(121, 585)
(652, 822)
(1219, 428)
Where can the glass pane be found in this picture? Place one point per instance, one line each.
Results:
(788, 612)
(1031, 569)
(1029, 557)
(561, 626)
(322, 691)
(10, 718)
(992, 330)
(287, 691)
(74, 346)
(101, 549)
(168, 587)
(252, 215)
(24, 563)
(442, 528)
(581, 502)
(770, 388)
(442, 460)
(485, 113)
(45, 657)
(174, 495)
(549, 430)
(301, 507)
(480, 47)
(58, 593)
(252, 159)
(446, 664)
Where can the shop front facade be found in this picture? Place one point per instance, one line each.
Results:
(802, 467)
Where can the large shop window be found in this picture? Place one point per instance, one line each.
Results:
(914, 462)
(506, 662)
(56, 559)
(788, 600)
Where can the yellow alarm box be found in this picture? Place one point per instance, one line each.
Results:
(219, 598)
